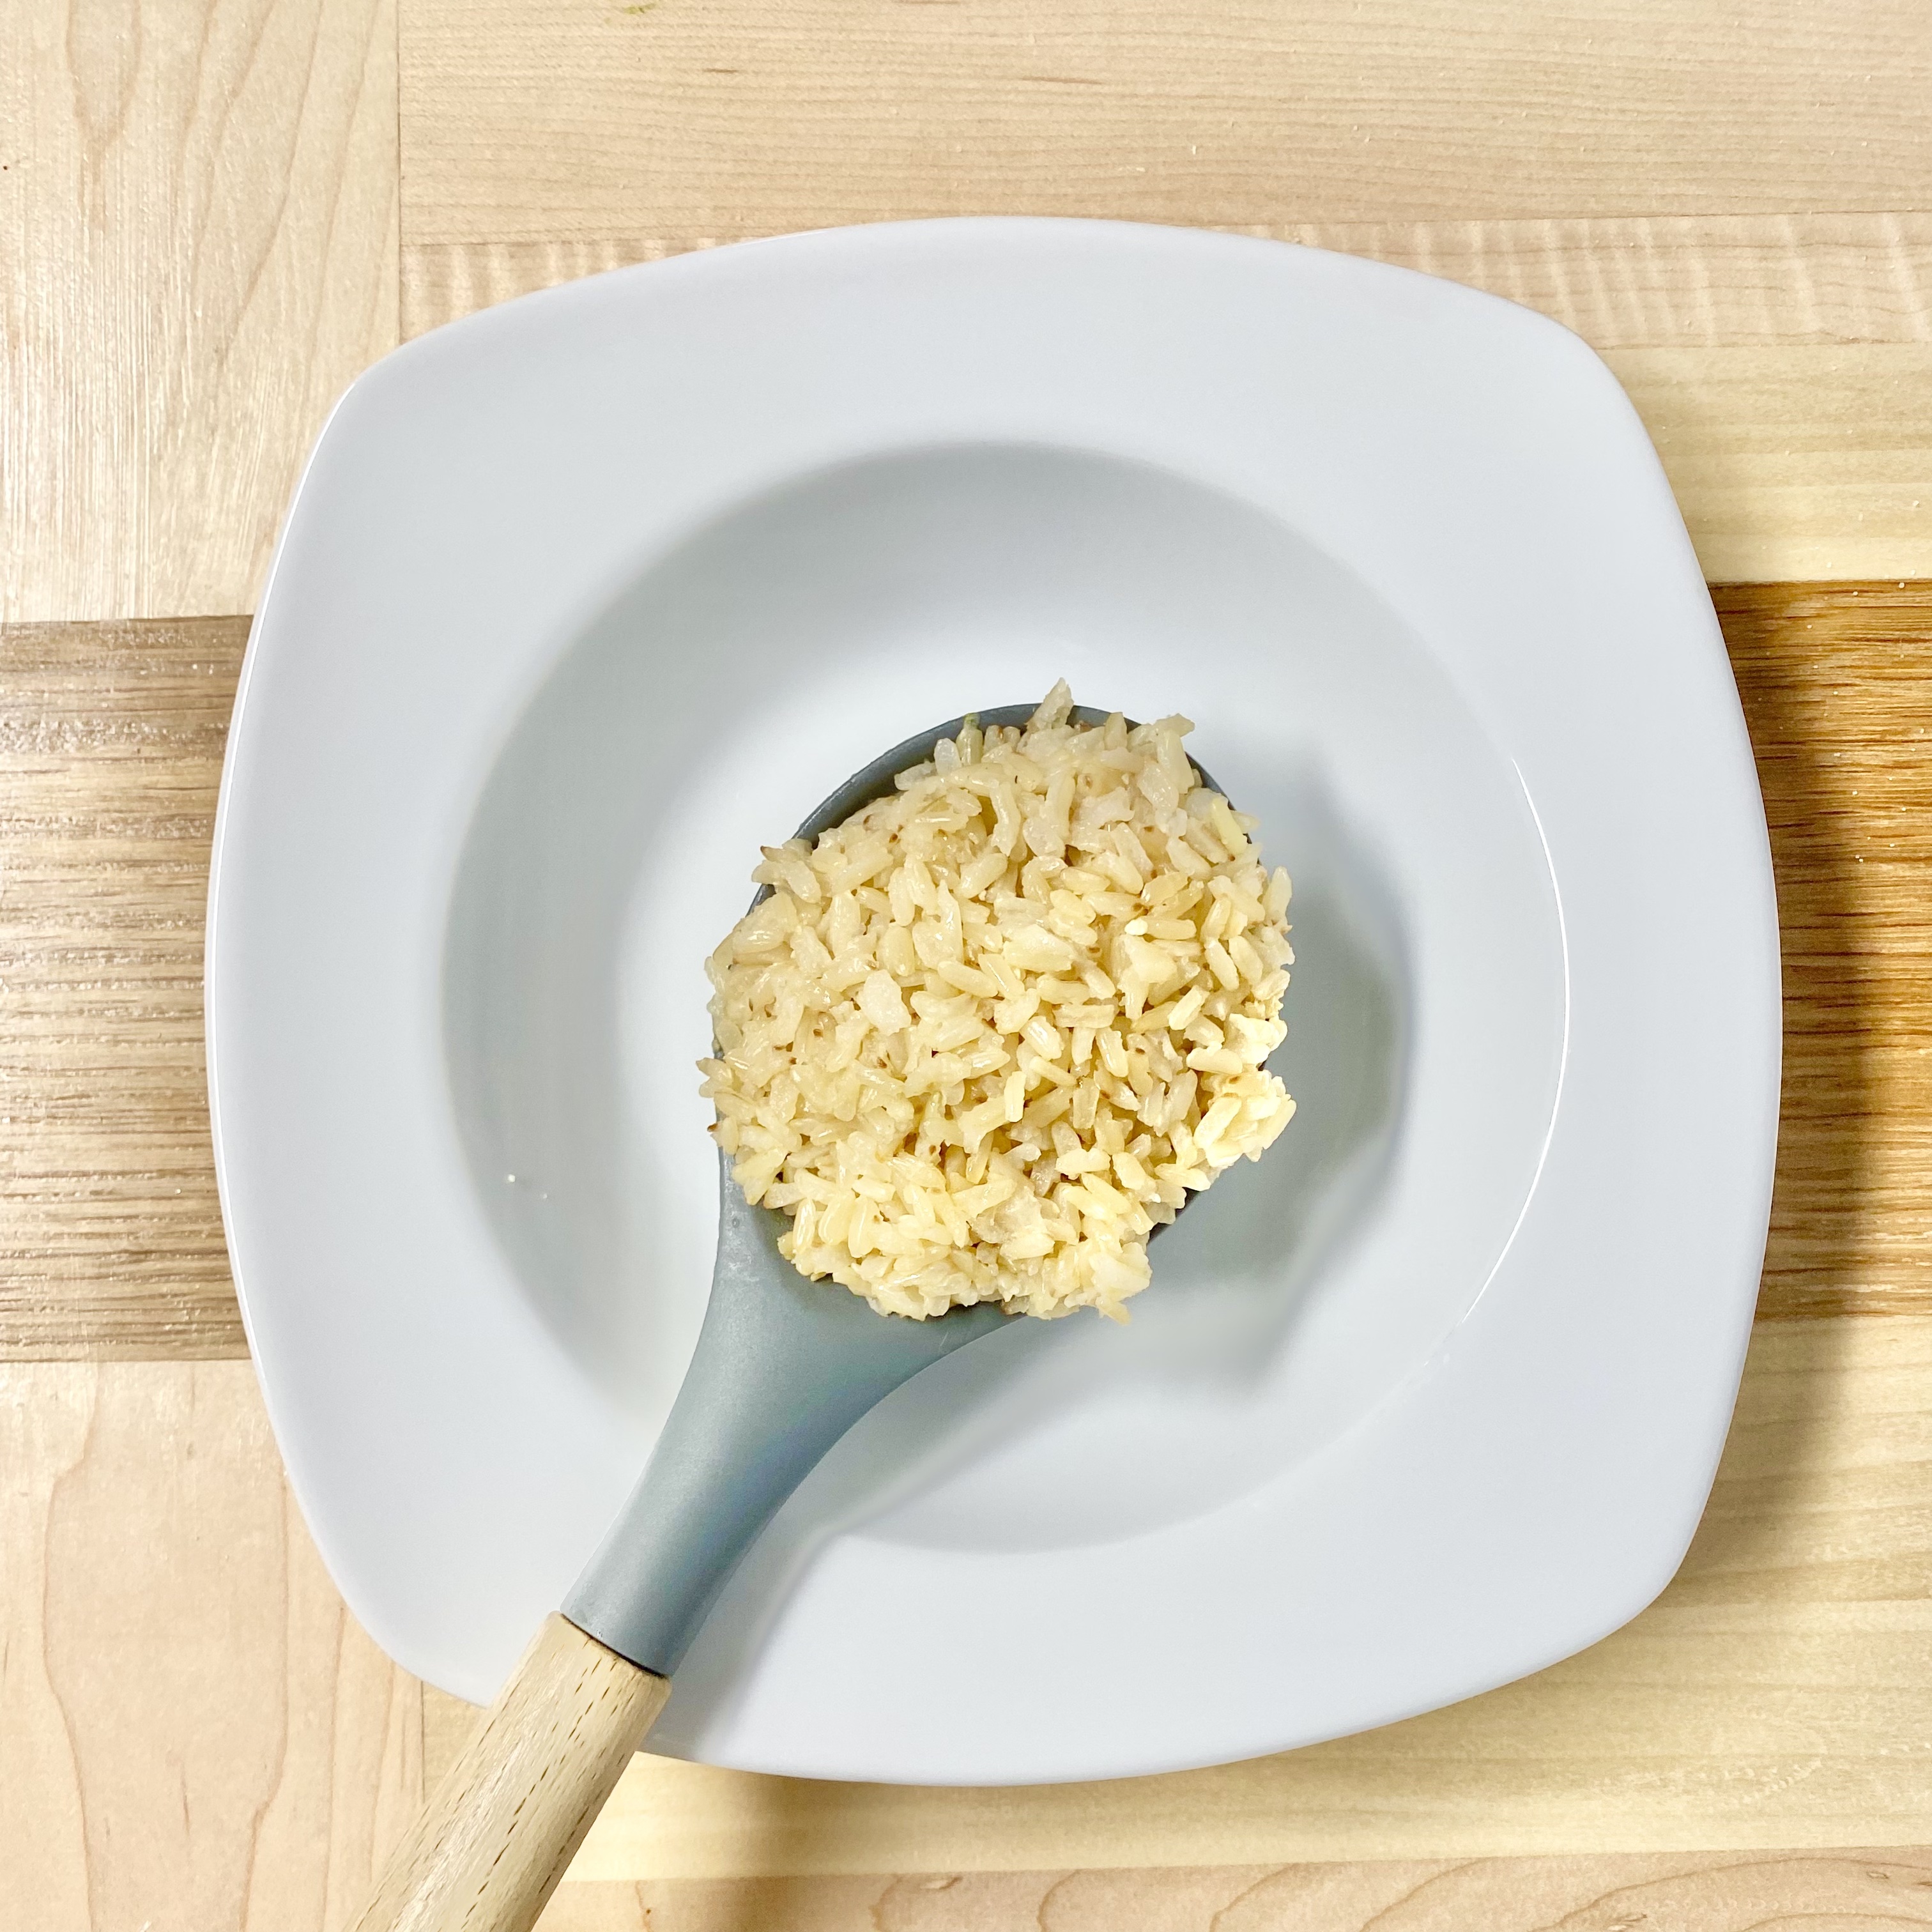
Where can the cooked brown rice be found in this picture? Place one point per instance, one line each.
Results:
(983, 1036)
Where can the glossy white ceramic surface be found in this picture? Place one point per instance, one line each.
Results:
(582, 598)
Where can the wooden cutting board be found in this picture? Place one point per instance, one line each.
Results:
(216, 216)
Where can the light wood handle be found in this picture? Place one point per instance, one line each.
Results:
(493, 1842)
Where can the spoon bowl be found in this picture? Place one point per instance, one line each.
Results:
(784, 1367)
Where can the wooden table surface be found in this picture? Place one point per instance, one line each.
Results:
(214, 212)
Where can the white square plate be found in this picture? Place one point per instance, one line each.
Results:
(582, 599)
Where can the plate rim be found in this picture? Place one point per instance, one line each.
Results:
(952, 239)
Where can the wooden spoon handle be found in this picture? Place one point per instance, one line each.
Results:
(493, 1842)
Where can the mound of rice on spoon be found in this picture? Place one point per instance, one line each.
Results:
(983, 1038)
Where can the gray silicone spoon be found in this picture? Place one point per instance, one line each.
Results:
(784, 1367)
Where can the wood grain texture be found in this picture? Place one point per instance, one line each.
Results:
(110, 739)
(199, 200)
(591, 118)
(1783, 367)
(1874, 1892)
(1621, 282)
(490, 1847)
(194, 1733)
(1838, 695)
(1808, 462)
(1775, 1696)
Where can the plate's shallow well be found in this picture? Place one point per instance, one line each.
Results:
(583, 599)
